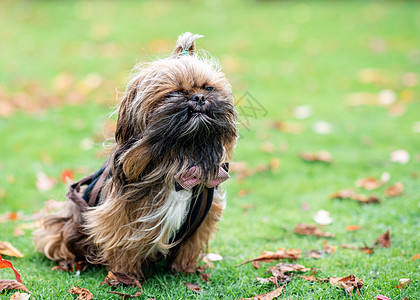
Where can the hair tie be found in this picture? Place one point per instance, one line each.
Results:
(184, 52)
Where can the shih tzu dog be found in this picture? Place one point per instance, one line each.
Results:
(157, 197)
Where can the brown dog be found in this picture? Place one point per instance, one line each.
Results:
(157, 196)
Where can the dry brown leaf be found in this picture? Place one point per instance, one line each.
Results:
(268, 296)
(349, 283)
(193, 287)
(84, 294)
(281, 253)
(7, 249)
(45, 183)
(384, 239)
(288, 127)
(404, 282)
(243, 192)
(314, 279)
(8, 284)
(256, 264)
(242, 170)
(395, 190)
(305, 229)
(369, 183)
(20, 296)
(416, 256)
(268, 147)
(315, 254)
(366, 249)
(275, 163)
(327, 248)
(322, 156)
(353, 227)
(284, 268)
(350, 194)
(18, 232)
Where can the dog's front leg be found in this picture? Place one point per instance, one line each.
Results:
(185, 258)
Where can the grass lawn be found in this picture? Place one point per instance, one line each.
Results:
(63, 61)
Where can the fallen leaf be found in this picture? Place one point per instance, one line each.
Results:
(369, 183)
(20, 296)
(349, 283)
(67, 176)
(312, 278)
(353, 227)
(7, 284)
(284, 268)
(305, 229)
(395, 190)
(416, 256)
(281, 253)
(350, 194)
(366, 249)
(44, 183)
(7, 264)
(322, 217)
(242, 170)
(400, 156)
(327, 248)
(315, 253)
(404, 282)
(214, 257)
(305, 206)
(256, 264)
(321, 156)
(382, 297)
(302, 112)
(268, 147)
(193, 287)
(243, 193)
(268, 296)
(204, 276)
(12, 216)
(18, 232)
(84, 294)
(275, 163)
(345, 246)
(322, 127)
(384, 239)
(288, 127)
(410, 79)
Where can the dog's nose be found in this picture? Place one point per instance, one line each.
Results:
(199, 99)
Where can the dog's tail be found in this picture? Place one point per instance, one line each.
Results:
(185, 44)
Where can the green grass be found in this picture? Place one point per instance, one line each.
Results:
(284, 53)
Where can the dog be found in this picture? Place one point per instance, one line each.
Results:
(157, 197)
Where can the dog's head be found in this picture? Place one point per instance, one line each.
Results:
(176, 113)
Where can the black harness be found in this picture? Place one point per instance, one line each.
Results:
(201, 201)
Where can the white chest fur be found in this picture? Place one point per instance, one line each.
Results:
(179, 203)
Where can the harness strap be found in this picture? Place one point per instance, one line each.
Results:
(94, 185)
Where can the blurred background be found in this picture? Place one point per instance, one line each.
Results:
(340, 76)
(327, 92)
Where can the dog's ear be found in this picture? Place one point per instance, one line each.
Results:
(125, 127)
(135, 160)
(185, 44)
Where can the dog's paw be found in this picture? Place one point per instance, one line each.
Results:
(178, 267)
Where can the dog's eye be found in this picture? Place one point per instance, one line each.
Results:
(209, 88)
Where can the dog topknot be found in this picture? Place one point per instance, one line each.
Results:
(185, 44)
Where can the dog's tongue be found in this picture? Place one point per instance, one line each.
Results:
(192, 177)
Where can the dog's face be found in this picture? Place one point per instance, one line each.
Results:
(177, 113)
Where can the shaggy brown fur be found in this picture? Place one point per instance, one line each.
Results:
(176, 113)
